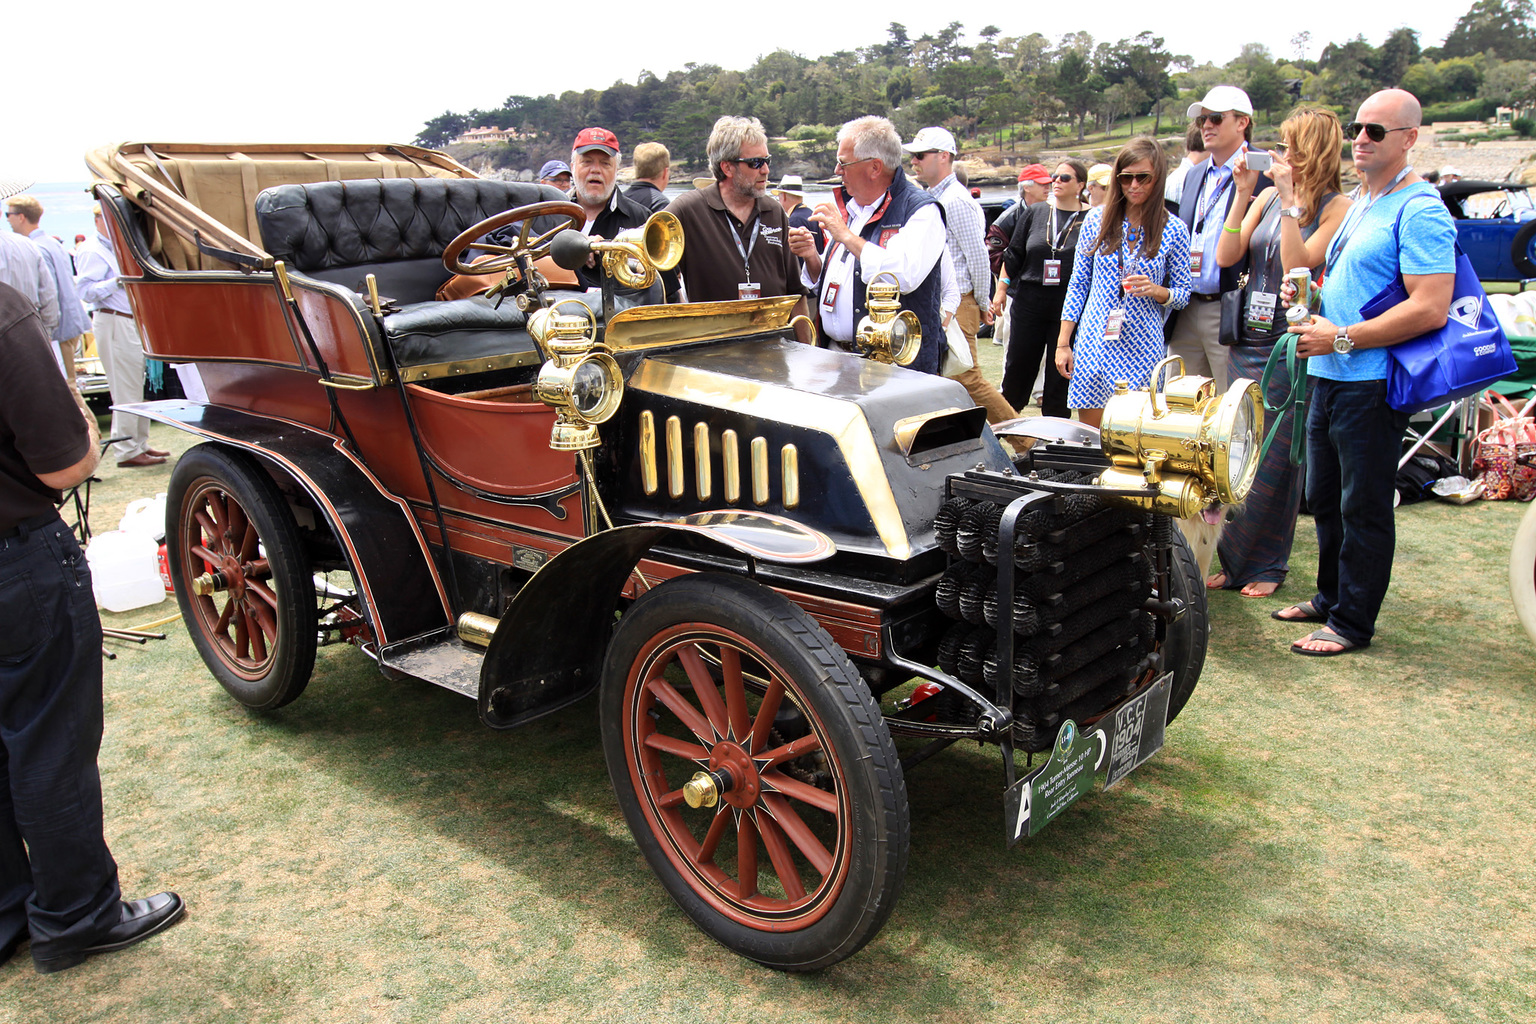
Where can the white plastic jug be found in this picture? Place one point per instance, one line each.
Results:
(146, 516)
(125, 573)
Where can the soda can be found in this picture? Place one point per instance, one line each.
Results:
(1301, 277)
(1297, 315)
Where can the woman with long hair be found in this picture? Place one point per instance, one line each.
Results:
(1133, 268)
(1288, 225)
(1036, 268)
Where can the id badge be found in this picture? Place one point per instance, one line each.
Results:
(1261, 310)
(829, 300)
(1112, 324)
(748, 290)
(1196, 259)
(1052, 274)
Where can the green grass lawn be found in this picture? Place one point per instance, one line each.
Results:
(1321, 840)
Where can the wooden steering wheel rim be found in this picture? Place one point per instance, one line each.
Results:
(534, 248)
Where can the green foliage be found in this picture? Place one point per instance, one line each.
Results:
(1524, 127)
(1504, 27)
(1468, 110)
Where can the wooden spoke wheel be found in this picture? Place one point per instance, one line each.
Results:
(242, 577)
(754, 770)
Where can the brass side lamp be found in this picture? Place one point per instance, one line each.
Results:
(889, 334)
(1196, 448)
(582, 385)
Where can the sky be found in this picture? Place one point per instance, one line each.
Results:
(160, 71)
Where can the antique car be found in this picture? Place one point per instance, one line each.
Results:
(770, 561)
(1496, 226)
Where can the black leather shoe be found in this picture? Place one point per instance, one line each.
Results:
(141, 919)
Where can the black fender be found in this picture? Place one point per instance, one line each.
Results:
(1520, 250)
(396, 579)
(548, 650)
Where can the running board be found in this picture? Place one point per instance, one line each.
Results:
(439, 658)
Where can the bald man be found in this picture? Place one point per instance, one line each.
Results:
(1353, 437)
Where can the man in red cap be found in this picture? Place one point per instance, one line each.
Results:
(594, 170)
(1034, 184)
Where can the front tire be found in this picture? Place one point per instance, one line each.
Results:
(1184, 648)
(801, 861)
(226, 521)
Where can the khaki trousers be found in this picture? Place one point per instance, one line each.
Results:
(981, 390)
(122, 357)
(1197, 338)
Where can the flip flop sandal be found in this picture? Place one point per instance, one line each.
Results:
(1328, 636)
(1310, 614)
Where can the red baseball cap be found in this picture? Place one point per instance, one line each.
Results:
(1035, 172)
(589, 139)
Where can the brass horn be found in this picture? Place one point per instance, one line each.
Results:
(633, 257)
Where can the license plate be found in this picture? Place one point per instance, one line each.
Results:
(1109, 751)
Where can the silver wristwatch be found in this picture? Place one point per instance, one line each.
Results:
(1341, 343)
(1291, 211)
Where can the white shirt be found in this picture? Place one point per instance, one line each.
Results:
(910, 256)
(24, 267)
(96, 276)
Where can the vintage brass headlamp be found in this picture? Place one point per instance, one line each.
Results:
(889, 334)
(583, 386)
(1195, 447)
(632, 257)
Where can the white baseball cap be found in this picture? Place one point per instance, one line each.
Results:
(1223, 97)
(930, 139)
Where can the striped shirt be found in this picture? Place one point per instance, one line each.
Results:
(967, 237)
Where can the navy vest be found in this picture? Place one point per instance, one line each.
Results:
(904, 200)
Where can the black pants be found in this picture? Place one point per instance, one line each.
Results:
(63, 883)
(1031, 336)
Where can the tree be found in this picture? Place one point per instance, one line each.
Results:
(1266, 88)
(1503, 26)
(1506, 81)
(1120, 98)
(1074, 87)
(1395, 56)
(442, 129)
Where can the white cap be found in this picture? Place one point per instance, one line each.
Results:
(1223, 97)
(930, 139)
(793, 184)
(1448, 169)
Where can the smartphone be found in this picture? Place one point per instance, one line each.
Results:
(1260, 160)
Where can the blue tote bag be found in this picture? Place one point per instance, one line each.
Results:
(1462, 358)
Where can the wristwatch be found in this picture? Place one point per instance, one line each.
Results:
(1341, 343)
(1291, 211)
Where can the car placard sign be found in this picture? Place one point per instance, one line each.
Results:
(1114, 747)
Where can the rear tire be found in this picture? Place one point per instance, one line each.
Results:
(801, 861)
(1520, 250)
(257, 631)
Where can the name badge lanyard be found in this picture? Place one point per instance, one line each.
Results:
(1261, 305)
(1114, 320)
(746, 250)
(1357, 212)
(1051, 274)
(1209, 200)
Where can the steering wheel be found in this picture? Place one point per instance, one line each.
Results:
(505, 257)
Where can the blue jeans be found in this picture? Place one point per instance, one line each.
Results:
(1354, 440)
(62, 885)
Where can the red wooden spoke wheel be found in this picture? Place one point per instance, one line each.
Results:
(241, 576)
(721, 694)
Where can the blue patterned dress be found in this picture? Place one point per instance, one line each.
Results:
(1095, 290)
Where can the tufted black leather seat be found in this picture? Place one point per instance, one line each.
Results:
(397, 229)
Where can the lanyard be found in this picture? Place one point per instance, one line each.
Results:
(1210, 199)
(1057, 238)
(1129, 241)
(746, 250)
(1352, 222)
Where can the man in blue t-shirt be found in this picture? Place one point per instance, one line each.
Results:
(1354, 438)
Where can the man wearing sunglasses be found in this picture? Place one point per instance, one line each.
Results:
(878, 223)
(1225, 120)
(933, 161)
(1397, 228)
(737, 235)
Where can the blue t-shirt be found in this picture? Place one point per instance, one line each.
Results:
(1371, 260)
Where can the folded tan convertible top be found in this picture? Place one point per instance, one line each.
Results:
(211, 189)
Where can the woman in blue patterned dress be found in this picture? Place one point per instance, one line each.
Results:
(1132, 268)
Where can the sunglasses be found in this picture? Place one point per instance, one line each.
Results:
(1065, 179)
(757, 163)
(1214, 119)
(1127, 178)
(1373, 131)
